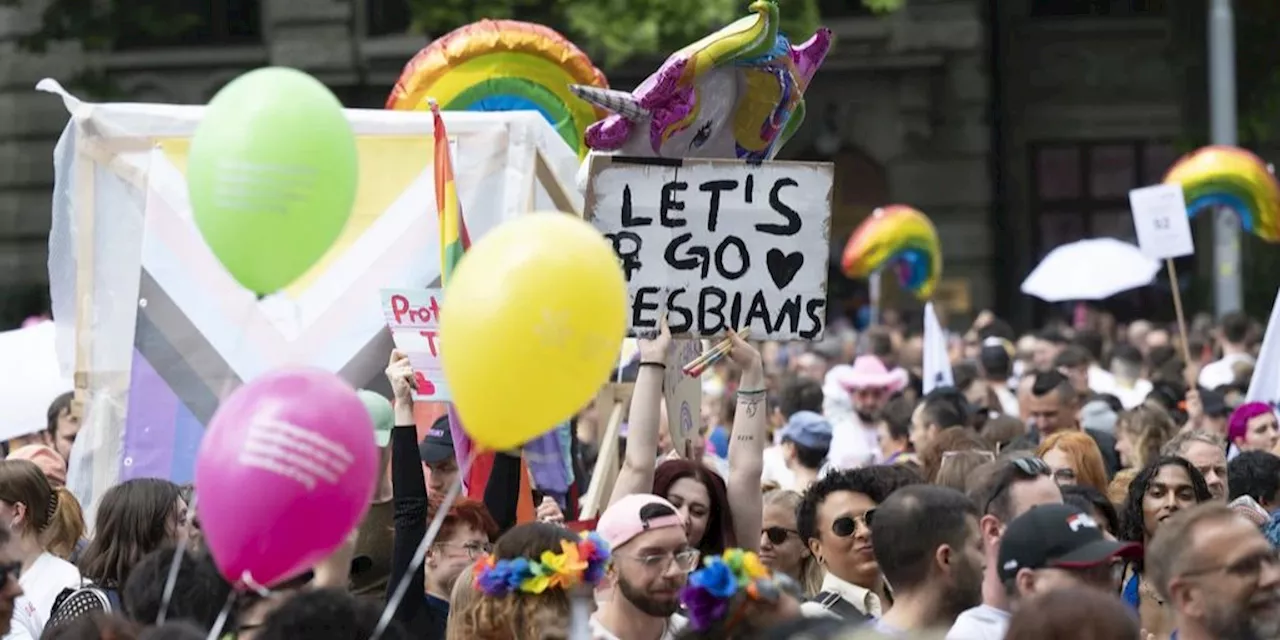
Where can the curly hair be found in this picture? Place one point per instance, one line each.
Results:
(516, 616)
(1150, 427)
(877, 483)
(1132, 523)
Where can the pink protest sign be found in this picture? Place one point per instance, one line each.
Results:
(413, 315)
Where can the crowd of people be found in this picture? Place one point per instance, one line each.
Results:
(1074, 483)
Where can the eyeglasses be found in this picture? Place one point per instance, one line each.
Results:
(686, 560)
(1024, 468)
(778, 535)
(1065, 476)
(845, 526)
(473, 549)
(1249, 567)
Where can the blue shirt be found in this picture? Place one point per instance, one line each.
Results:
(719, 439)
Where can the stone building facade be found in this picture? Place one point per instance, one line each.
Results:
(1015, 124)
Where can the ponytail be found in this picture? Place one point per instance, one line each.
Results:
(64, 528)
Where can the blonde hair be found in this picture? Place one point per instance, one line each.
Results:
(1150, 427)
(957, 466)
(811, 573)
(464, 594)
(1118, 490)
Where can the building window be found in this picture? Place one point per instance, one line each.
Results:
(1096, 8)
(388, 17)
(1082, 192)
(158, 24)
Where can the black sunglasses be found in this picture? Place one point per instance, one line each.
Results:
(778, 535)
(1023, 468)
(845, 526)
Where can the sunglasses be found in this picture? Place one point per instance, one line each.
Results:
(778, 535)
(1024, 468)
(845, 526)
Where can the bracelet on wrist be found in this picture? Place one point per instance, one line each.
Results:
(660, 365)
(751, 392)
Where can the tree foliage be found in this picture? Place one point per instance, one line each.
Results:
(615, 31)
(612, 31)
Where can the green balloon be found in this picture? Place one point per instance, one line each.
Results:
(272, 176)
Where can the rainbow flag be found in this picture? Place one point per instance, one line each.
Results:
(454, 241)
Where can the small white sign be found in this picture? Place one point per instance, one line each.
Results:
(1160, 218)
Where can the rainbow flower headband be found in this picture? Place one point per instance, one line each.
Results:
(576, 564)
(711, 590)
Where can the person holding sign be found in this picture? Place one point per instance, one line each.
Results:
(720, 514)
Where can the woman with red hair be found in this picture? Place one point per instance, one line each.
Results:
(1074, 458)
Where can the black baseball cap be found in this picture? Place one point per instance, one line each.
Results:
(1057, 536)
(438, 445)
(1214, 403)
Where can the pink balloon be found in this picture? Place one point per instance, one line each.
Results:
(285, 472)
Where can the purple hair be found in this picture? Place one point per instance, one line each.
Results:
(1239, 422)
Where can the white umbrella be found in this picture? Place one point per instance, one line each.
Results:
(1090, 270)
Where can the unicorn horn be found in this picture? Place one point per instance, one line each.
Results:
(809, 56)
(619, 102)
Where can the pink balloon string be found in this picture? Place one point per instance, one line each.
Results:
(420, 555)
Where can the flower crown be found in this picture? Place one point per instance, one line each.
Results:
(711, 589)
(576, 564)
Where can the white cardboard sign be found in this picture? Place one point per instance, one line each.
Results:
(1160, 219)
(718, 244)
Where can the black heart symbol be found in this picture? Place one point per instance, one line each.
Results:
(783, 267)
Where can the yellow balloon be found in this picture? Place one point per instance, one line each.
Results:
(530, 326)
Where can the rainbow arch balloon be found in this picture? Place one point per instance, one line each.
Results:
(898, 237)
(504, 65)
(1226, 176)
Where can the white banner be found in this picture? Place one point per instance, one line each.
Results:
(937, 363)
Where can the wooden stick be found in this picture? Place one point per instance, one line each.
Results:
(1177, 308)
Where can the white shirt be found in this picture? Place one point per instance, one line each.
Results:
(1222, 372)
(775, 469)
(1132, 396)
(980, 623)
(41, 584)
(26, 623)
(852, 444)
(862, 599)
(675, 624)
(1101, 380)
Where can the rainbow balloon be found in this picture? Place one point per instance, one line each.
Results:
(1225, 176)
(900, 237)
(504, 65)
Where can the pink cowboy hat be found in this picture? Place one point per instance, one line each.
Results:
(868, 372)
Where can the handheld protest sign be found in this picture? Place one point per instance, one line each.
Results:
(1164, 232)
(717, 244)
(413, 315)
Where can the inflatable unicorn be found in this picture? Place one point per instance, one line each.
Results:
(738, 93)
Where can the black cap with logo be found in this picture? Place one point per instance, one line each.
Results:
(1057, 536)
(438, 445)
